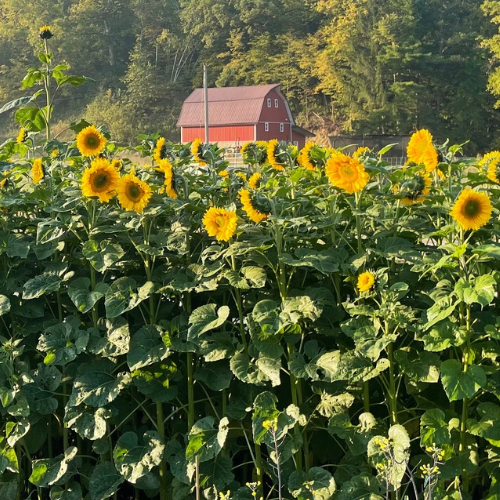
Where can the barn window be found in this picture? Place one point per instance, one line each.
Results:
(296, 143)
(268, 102)
(282, 127)
(276, 103)
(266, 126)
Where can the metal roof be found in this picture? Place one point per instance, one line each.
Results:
(226, 106)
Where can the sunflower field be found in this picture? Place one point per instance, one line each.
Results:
(312, 326)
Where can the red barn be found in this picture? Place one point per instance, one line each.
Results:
(240, 114)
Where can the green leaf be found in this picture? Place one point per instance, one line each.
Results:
(114, 343)
(9, 491)
(73, 80)
(97, 386)
(205, 442)
(121, 297)
(251, 373)
(14, 431)
(438, 312)
(87, 423)
(40, 285)
(434, 428)
(255, 275)
(362, 487)
(4, 305)
(418, 366)
(81, 295)
(18, 102)
(104, 481)
(8, 457)
(489, 426)
(49, 471)
(146, 347)
(49, 230)
(302, 485)
(154, 382)
(264, 409)
(32, 118)
(102, 256)
(206, 318)
(480, 291)
(134, 460)
(14, 245)
(62, 343)
(72, 492)
(216, 376)
(459, 384)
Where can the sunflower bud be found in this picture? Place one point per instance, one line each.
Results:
(45, 33)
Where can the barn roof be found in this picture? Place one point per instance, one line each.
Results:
(226, 105)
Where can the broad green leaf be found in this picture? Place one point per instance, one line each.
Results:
(418, 366)
(8, 457)
(480, 290)
(104, 481)
(102, 256)
(217, 472)
(438, 312)
(134, 460)
(255, 275)
(49, 230)
(115, 341)
(316, 484)
(459, 384)
(16, 430)
(81, 295)
(355, 436)
(72, 492)
(205, 441)
(4, 305)
(62, 343)
(121, 297)
(87, 423)
(264, 410)
(443, 335)
(206, 318)
(97, 386)
(154, 381)
(18, 102)
(49, 471)
(40, 285)
(146, 347)
(247, 371)
(216, 376)
(489, 425)
(9, 491)
(398, 446)
(362, 487)
(14, 244)
(434, 428)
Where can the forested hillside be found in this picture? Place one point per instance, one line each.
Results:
(352, 66)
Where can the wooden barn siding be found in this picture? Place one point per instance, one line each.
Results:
(274, 116)
(301, 140)
(237, 134)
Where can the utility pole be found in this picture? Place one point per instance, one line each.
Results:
(205, 101)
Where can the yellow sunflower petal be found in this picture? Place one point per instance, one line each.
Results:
(365, 281)
(252, 213)
(133, 194)
(346, 173)
(100, 180)
(220, 223)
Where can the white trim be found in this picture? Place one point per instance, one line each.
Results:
(282, 127)
(276, 103)
(182, 135)
(296, 143)
(266, 126)
(255, 132)
(269, 102)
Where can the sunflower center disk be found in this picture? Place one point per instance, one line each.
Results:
(134, 192)
(92, 141)
(471, 208)
(219, 220)
(100, 181)
(349, 172)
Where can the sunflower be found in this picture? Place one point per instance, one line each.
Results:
(100, 180)
(220, 223)
(494, 172)
(54, 153)
(365, 281)
(90, 142)
(224, 173)
(45, 33)
(252, 213)
(160, 150)
(22, 136)
(254, 180)
(361, 151)
(242, 176)
(416, 188)
(169, 186)
(272, 146)
(245, 146)
(196, 150)
(472, 209)
(491, 158)
(37, 171)
(304, 159)
(421, 150)
(346, 173)
(3, 183)
(117, 164)
(133, 194)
